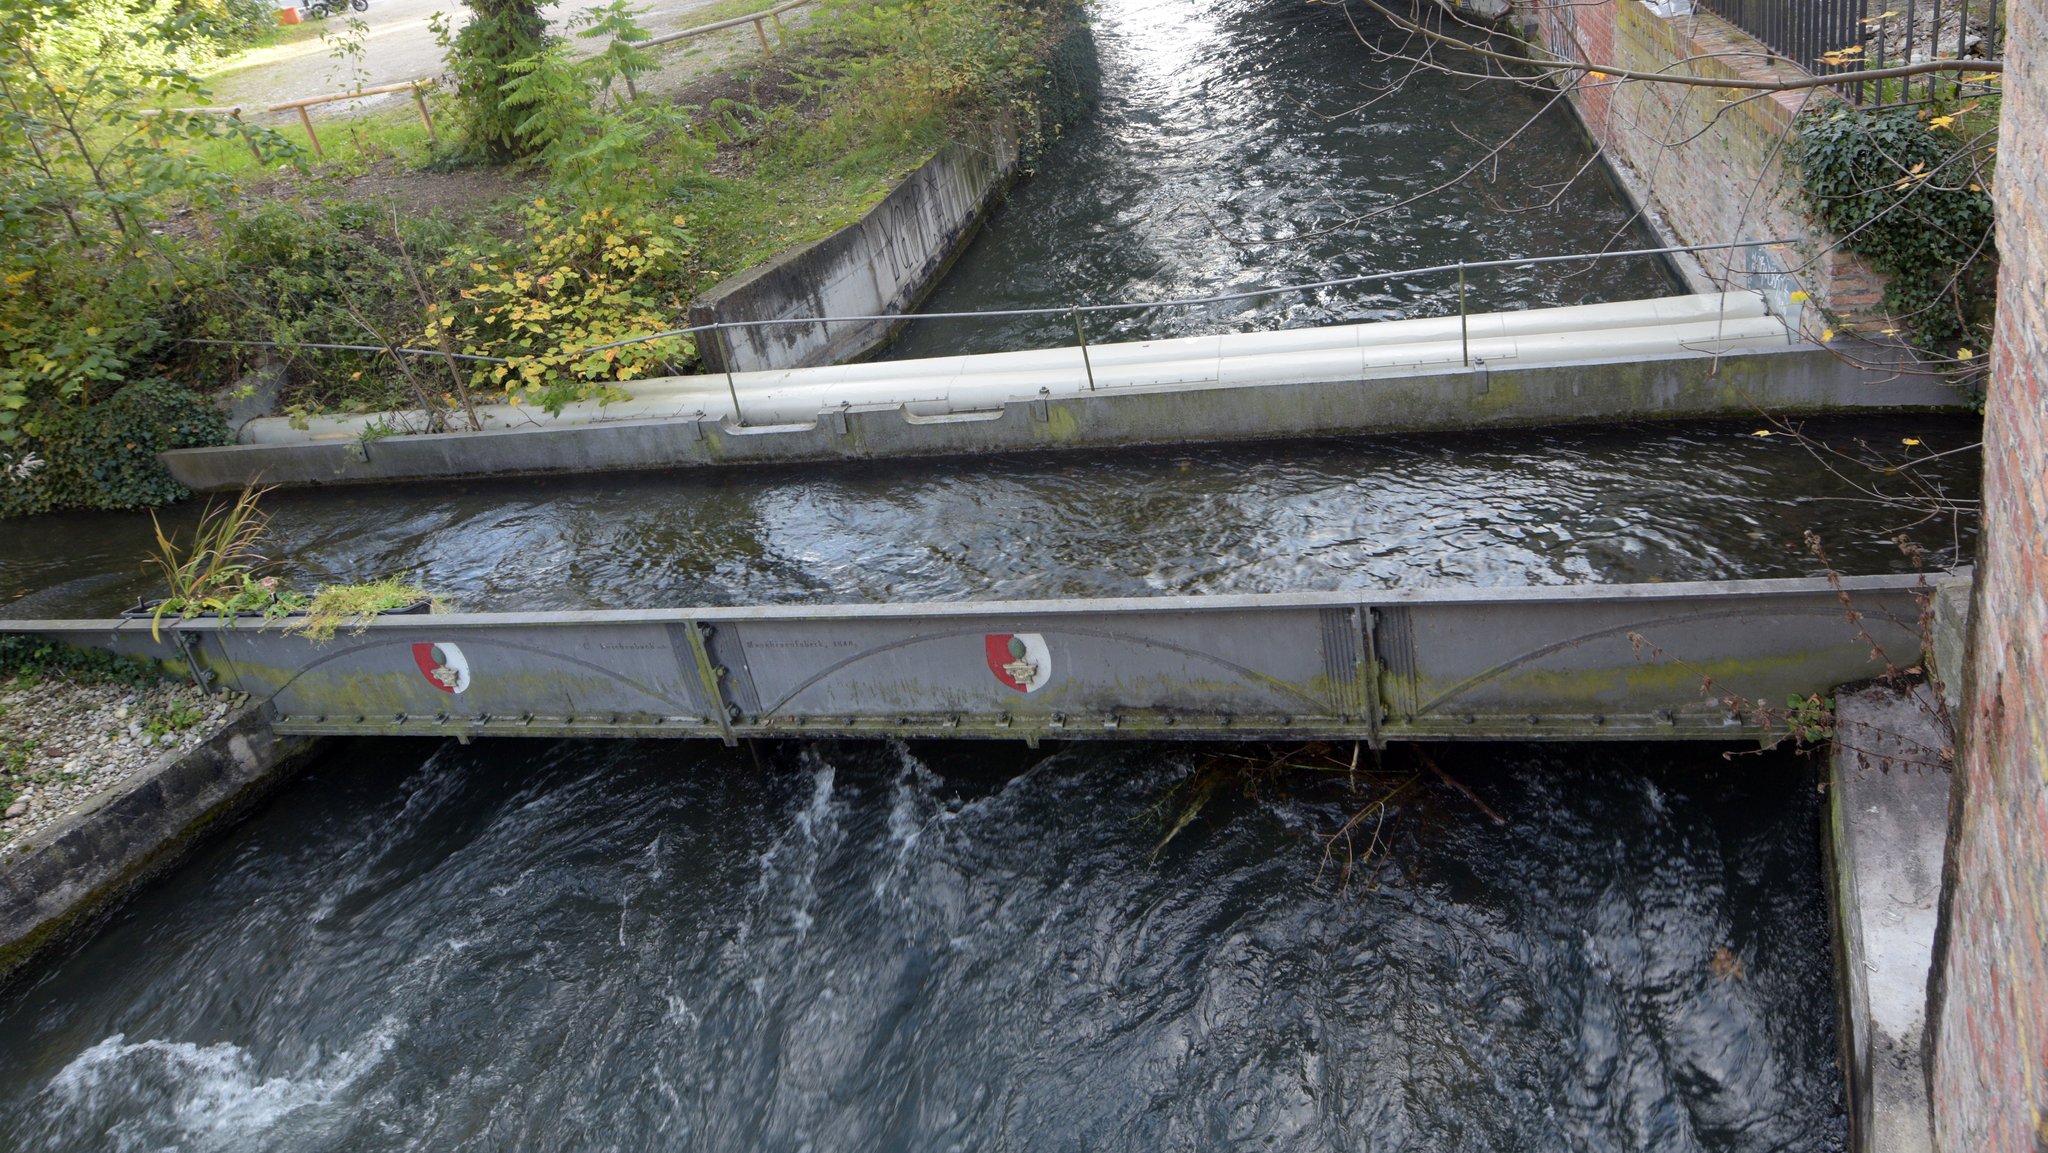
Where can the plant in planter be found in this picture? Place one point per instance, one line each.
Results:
(219, 573)
(332, 606)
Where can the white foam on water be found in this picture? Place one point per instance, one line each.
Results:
(155, 1094)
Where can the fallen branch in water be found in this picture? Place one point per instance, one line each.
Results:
(1430, 762)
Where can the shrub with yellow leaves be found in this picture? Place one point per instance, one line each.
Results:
(580, 279)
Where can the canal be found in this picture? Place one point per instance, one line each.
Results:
(878, 946)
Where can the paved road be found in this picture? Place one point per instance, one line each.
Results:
(399, 45)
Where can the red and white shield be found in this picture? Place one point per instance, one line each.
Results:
(1019, 660)
(443, 665)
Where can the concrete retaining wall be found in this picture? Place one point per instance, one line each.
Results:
(882, 264)
(1887, 818)
(61, 879)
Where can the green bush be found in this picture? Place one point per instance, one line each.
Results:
(103, 456)
(36, 657)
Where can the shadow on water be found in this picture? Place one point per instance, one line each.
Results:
(874, 947)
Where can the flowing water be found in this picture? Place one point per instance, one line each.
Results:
(1242, 144)
(1612, 504)
(872, 947)
(878, 947)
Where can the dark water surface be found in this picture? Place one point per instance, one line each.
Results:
(562, 946)
(1614, 504)
(1247, 143)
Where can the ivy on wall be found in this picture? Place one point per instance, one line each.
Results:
(1907, 194)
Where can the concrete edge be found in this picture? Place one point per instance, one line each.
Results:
(1796, 380)
(63, 881)
(749, 295)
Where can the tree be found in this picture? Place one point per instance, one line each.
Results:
(485, 56)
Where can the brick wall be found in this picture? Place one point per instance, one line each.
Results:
(1713, 160)
(1989, 1002)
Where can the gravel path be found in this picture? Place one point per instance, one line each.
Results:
(400, 46)
(63, 745)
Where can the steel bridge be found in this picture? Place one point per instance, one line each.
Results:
(1633, 662)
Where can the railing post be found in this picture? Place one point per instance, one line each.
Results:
(761, 33)
(306, 118)
(419, 98)
(1464, 324)
(1081, 336)
(725, 358)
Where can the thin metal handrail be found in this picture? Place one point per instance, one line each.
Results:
(1072, 310)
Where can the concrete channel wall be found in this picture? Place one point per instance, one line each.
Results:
(883, 264)
(60, 880)
(1591, 662)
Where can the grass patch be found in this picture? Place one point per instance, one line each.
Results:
(352, 606)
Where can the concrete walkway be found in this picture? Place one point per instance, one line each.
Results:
(399, 46)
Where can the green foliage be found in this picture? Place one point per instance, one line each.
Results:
(484, 57)
(178, 720)
(84, 173)
(217, 573)
(311, 273)
(35, 658)
(103, 455)
(1810, 720)
(622, 61)
(1907, 195)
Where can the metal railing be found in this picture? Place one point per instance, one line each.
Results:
(1827, 37)
(1073, 312)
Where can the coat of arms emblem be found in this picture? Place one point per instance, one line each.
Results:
(1019, 660)
(443, 665)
